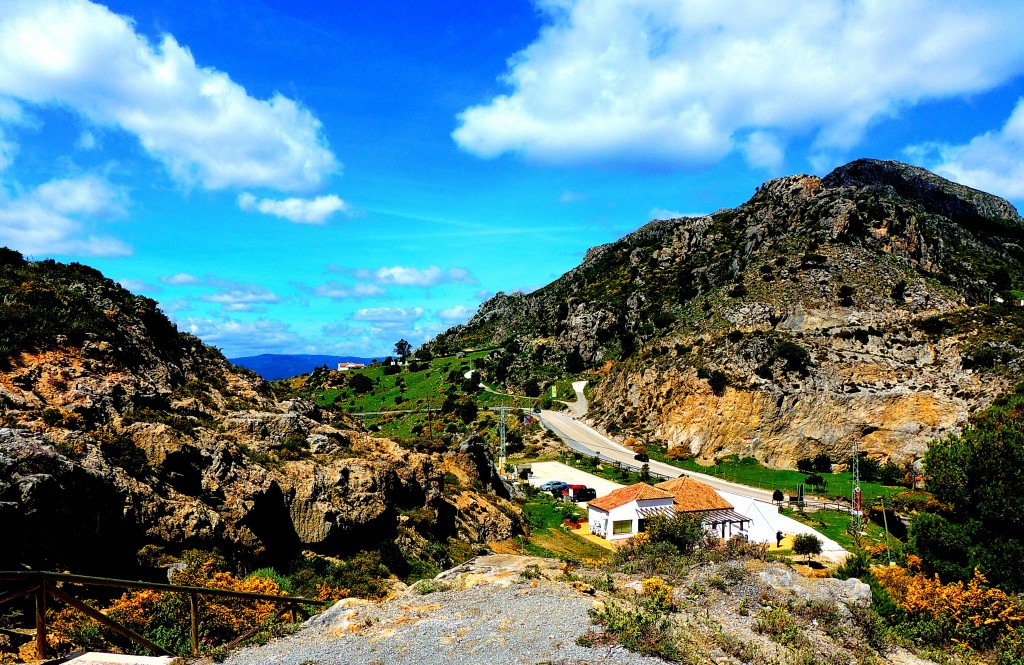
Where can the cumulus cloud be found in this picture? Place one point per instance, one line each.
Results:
(139, 285)
(57, 217)
(457, 313)
(180, 279)
(687, 82)
(338, 291)
(424, 277)
(382, 316)
(993, 161)
(244, 338)
(301, 211)
(205, 128)
(242, 297)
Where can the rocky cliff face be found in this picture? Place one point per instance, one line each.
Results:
(118, 434)
(822, 311)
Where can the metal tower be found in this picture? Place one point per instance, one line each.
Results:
(857, 512)
(501, 438)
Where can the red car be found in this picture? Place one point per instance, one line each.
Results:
(580, 492)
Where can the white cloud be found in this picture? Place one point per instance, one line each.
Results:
(993, 161)
(337, 291)
(425, 277)
(139, 286)
(457, 313)
(389, 315)
(301, 211)
(687, 82)
(199, 123)
(244, 338)
(88, 195)
(56, 217)
(242, 297)
(180, 279)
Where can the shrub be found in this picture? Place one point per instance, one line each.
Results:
(776, 623)
(974, 614)
(682, 531)
(646, 629)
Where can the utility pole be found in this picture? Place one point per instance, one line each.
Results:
(855, 518)
(501, 438)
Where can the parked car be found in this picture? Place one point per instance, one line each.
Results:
(553, 485)
(536, 409)
(580, 493)
(642, 457)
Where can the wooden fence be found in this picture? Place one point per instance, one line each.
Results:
(43, 584)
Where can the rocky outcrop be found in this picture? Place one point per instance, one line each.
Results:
(856, 307)
(120, 434)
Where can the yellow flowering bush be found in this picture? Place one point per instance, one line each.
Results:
(975, 614)
(658, 591)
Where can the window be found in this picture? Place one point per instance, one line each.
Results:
(622, 526)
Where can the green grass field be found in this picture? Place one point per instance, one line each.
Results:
(836, 526)
(748, 471)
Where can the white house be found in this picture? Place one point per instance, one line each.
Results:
(345, 366)
(624, 512)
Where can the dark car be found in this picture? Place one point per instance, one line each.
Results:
(536, 409)
(580, 492)
(642, 457)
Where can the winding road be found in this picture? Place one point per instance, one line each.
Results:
(589, 441)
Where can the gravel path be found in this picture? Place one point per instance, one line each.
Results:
(500, 617)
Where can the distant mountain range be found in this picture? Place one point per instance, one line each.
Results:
(273, 366)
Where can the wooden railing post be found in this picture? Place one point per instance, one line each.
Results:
(41, 620)
(193, 598)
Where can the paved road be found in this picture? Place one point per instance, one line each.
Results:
(589, 441)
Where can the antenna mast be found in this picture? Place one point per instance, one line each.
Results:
(501, 437)
(855, 519)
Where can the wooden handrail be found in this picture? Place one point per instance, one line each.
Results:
(36, 576)
(42, 583)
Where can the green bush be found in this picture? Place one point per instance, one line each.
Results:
(682, 531)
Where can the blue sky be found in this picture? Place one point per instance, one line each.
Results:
(329, 177)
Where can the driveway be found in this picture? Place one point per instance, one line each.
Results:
(545, 471)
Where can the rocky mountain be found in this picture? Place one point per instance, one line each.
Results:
(859, 307)
(123, 440)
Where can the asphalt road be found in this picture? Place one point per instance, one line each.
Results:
(588, 440)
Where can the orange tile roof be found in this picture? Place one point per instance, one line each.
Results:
(623, 495)
(693, 496)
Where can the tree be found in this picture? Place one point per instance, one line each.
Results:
(805, 465)
(403, 349)
(360, 383)
(806, 544)
(816, 481)
(778, 496)
(822, 463)
(682, 530)
(975, 478)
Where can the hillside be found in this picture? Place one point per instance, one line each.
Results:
(124, 441)
(821, 312)
(503, 609)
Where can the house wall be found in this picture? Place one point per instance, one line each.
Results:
(603, 524)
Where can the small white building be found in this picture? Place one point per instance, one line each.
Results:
(344, 367)
(624, 512)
